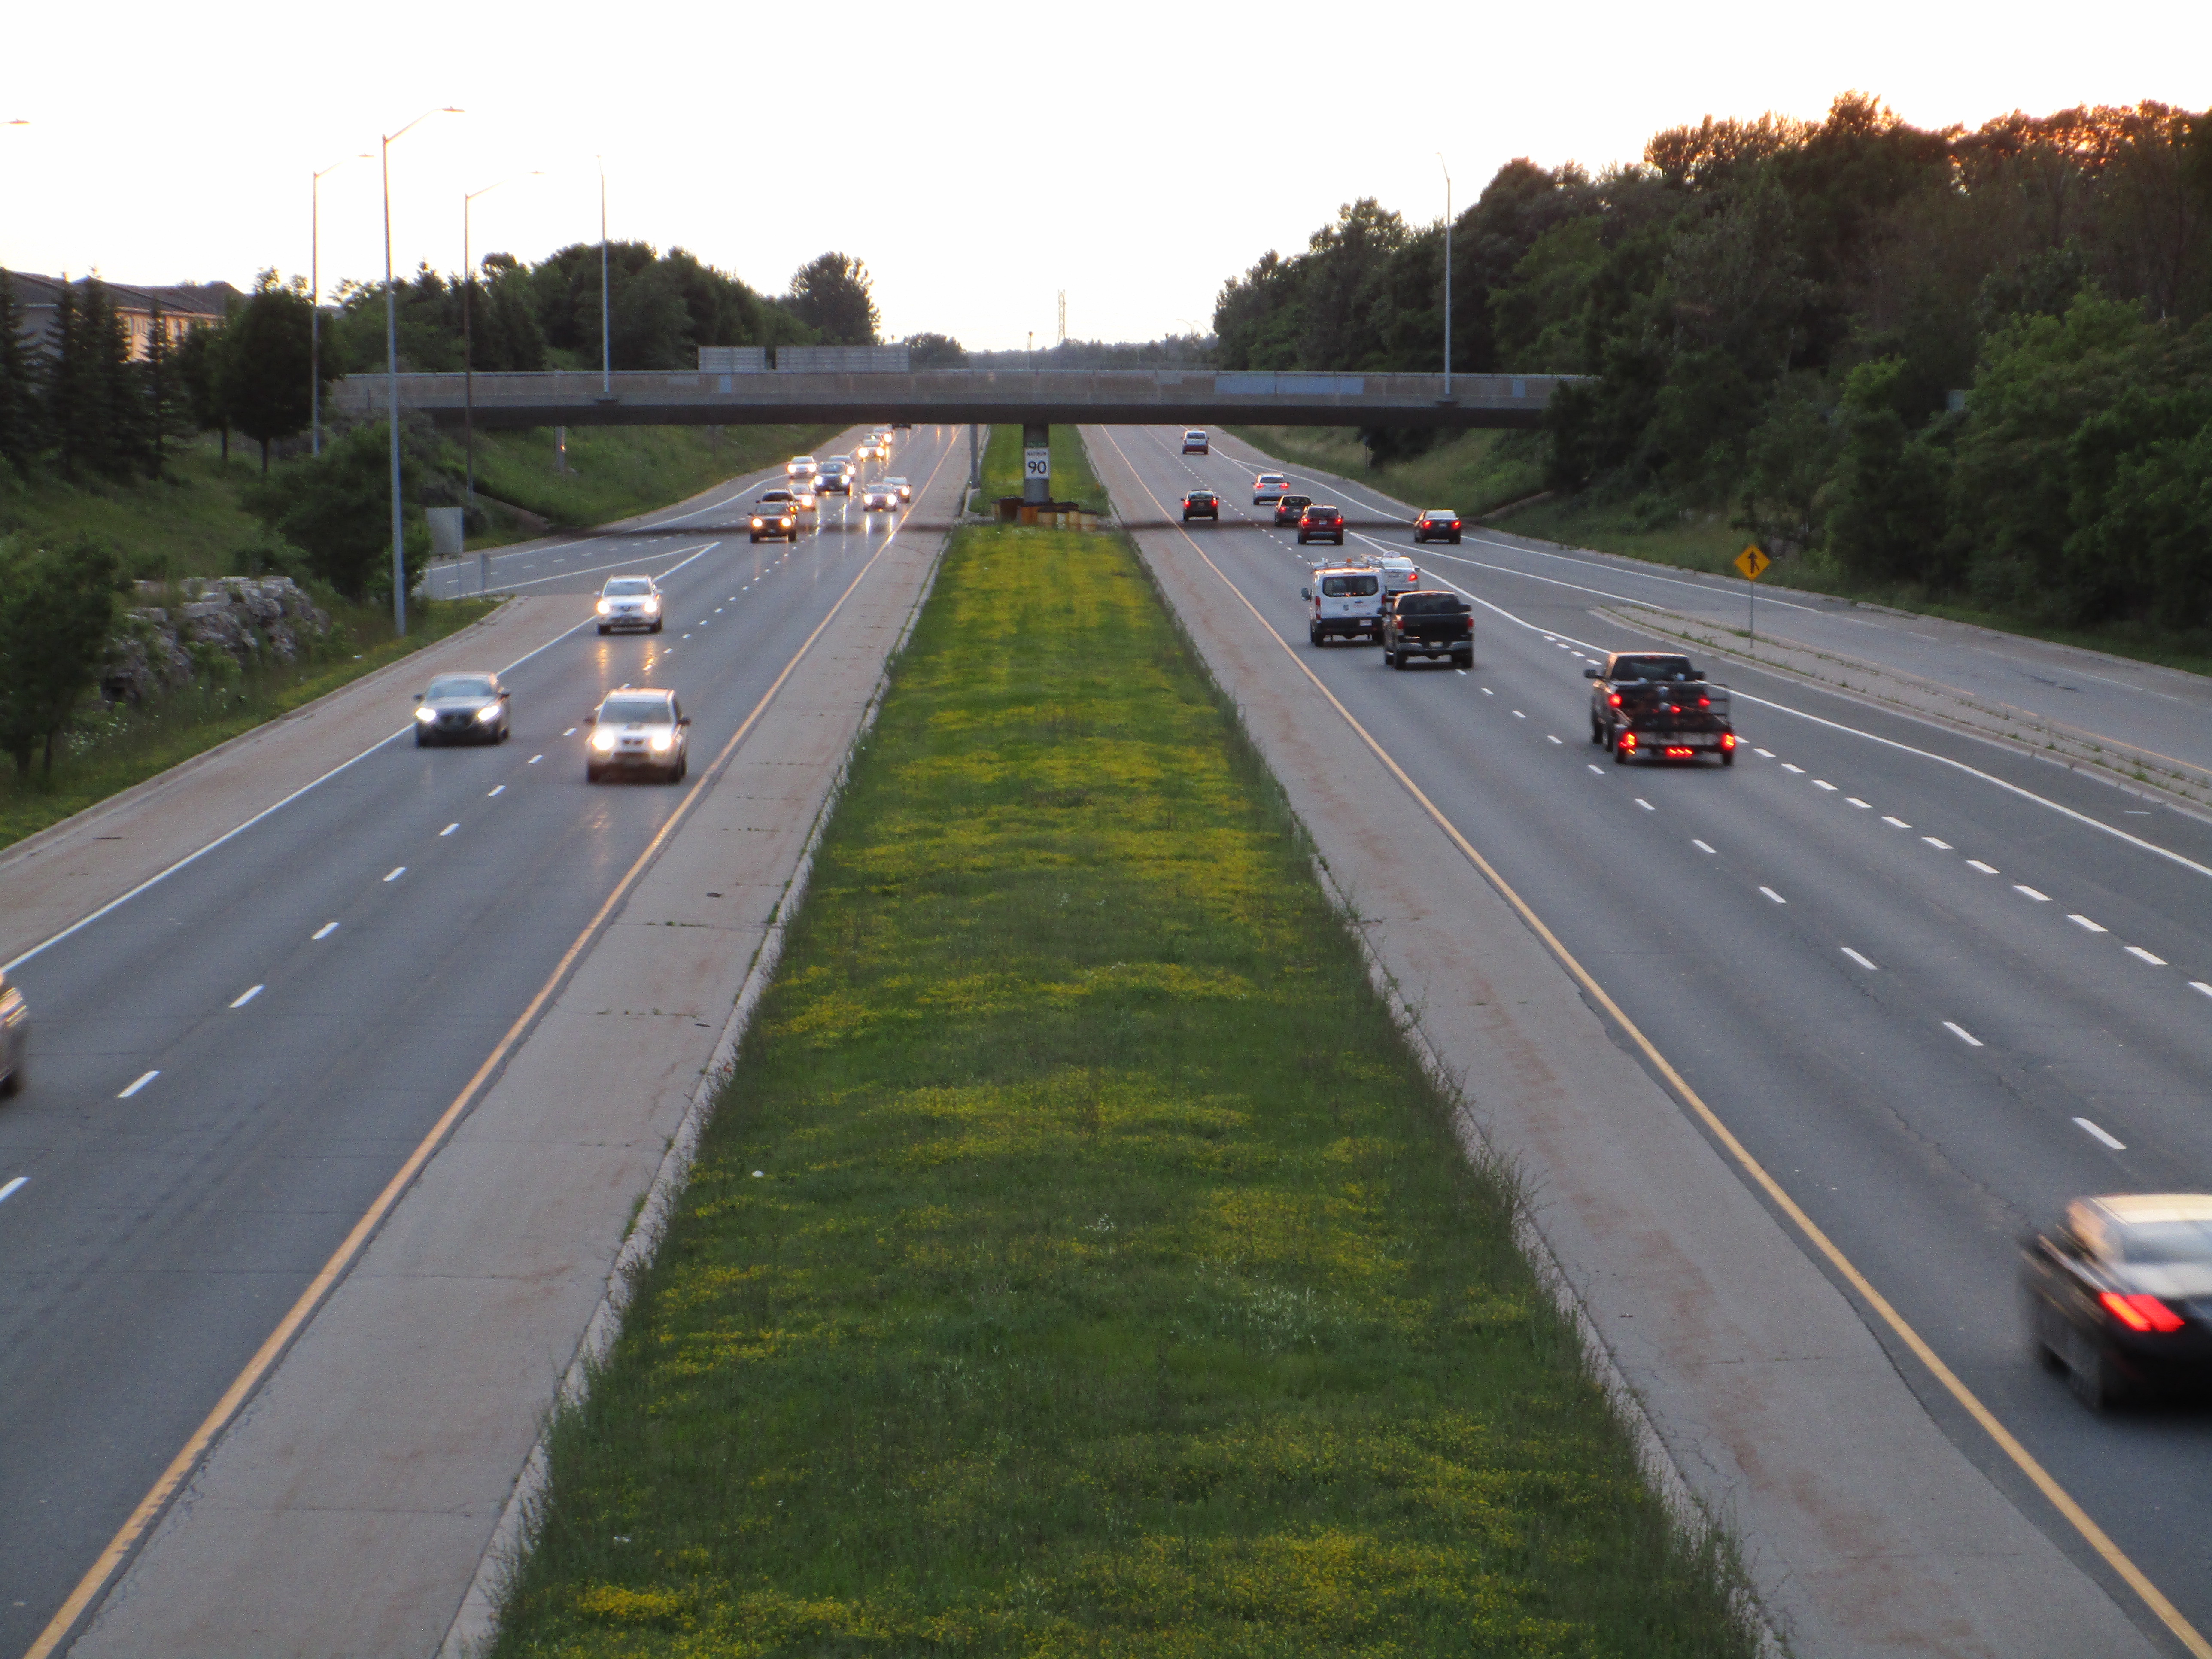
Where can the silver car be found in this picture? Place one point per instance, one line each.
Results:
(629, 602)
(462, 708)
(638, 729)
(880, 497)
(15, 1037)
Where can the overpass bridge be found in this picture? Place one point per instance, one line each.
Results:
(1110, 397)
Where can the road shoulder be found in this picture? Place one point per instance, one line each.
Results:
(1864, 1529)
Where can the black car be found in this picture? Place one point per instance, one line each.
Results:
(1438, 524)
(1425, 623)
(1289, 509)
(462, 708)
(1201, 504)
(1322, 523)
(2119, 1295)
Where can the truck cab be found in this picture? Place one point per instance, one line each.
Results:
(1648, 705)
(1343, 601)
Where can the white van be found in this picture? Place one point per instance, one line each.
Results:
(1345, 599)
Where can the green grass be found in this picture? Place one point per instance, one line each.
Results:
(1078, 1262)
(109, 752)
(618, 470)
(1072, 479)
(1470, 472)
(188, 524)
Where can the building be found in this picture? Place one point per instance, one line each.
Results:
(185, 307)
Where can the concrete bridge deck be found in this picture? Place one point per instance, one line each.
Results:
(1102, 397)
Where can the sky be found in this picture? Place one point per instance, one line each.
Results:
(981, 157)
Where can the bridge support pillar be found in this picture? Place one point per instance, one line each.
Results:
(974, 461)
(1036, 481)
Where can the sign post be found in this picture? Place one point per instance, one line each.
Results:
(1753, 562)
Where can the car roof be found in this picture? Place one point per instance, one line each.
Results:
(1441, 513)
(612, 580)
(2132, 1209)
(660, 691)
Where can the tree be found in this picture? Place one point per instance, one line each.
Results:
(266, 359)
(830, 295)
(935, 351)
(167, 406)
(338, 506)
(1789, 459)
(1890, 519)
(90, 389)
(22, 431)
(200, 372)
(57, 610)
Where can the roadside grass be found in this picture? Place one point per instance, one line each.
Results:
(1073, 480)
(618, 470)
(187, 524)
(1078, 1262)
(1470, 472)
(109, 752)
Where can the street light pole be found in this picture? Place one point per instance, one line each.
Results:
(1448, 242)
(315, 301)
(468, 341)
(606, 339)
(391, 378)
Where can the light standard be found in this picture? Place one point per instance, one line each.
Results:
(315, 301)
(1448, 242)
(468, 339)
(606, 338)
(391, 378)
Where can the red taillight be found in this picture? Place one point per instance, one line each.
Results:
(1727, 740)
(2140, 1312)
(1628, 740)
(1454, 524)
(1704, 703)
(1678, 753)
(1613, 700)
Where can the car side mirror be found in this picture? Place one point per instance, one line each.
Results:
(504, 695)
(418, 696)
(1589, 673)
(1303, 593)
(592, 718)
(685, 721)
(1696, 674)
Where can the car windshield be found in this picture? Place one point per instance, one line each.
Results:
(1270, 478)
(1431, 605)
(634, 711)
(628, 586)
(1652, 668)
(1321, 513)
(1337, 587)
(1297, 501)
(461, 685)
(2168, 1243)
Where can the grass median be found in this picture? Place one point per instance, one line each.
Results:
(1079, 1261)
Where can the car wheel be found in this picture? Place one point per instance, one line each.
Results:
(1463, 659)
(1340, 540)
(1728, 757)
(421, 738)
(655, 628)
(591, 773)
(603, 629)
(13, 1082)
(1313, 636)
(1454, 540)
(684, 768)
(2095, 1381)
(2046, 1336)
(1619, 755)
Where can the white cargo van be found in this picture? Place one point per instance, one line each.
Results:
(1343, 600)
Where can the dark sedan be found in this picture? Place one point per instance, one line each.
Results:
(1322, 523)
(1438, 524)
(2119, 1295)
(1201, 504)
(1289, 509)
(462, 708)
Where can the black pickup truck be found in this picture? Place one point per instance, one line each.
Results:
(1425, 623)
(1648, 705)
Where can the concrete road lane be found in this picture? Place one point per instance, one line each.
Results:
(230, 1066)
(1865, 947)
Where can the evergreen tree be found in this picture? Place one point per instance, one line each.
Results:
(200, 372)
(21, 434)
(56, 607)
(268, 362)
(167, 406)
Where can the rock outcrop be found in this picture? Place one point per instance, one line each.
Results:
(250, 621)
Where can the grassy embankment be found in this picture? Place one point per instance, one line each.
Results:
(1079, 1263)
(1480, 471)
(618, 470)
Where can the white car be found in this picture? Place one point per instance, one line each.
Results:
(1269, 486)
(1400, 574)
(880, 497)
(1194, 443)
(629, 602)
(905, 489)
(802, 467)
(14, 1037)
(638, 729)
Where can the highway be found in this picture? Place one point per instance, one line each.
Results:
(228, 1067)
(1936, 987)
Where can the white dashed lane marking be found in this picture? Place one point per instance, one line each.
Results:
(2040, 898)
(1986, 869)
(1860, 960)
(1895, 824)
(1940, 846)
(246, 996)
(1775, 896)
(325, 930)
(396, 874)
(1822, 783)
(1548, 737)
(2086, 924)
(2117, 1145)
(1962, 1034)
(1864, 807)
(1700, 845)
(447, 830)
(2142, 955)
(1799, 770)
(13, 1187)
(1640, 801)
(143, 1081)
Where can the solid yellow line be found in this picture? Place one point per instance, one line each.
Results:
(2061, 1500)
(181, 1466)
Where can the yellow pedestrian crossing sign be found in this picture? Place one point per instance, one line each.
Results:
(1752, 563)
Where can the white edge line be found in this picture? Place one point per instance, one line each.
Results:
(13, 1187)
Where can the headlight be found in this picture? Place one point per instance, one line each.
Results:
(606, 608)
(603, 738)
(756, 524)
(426, 715)
(488, 712)
(653, 605)
(661, 742)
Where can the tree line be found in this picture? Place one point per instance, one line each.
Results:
(1978, 362)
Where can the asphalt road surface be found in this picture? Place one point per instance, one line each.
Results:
(232, 1065)
(1938, 986)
